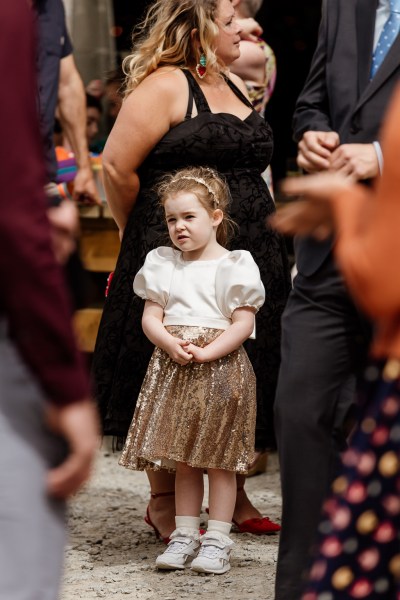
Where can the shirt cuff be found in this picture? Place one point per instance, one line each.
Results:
(379, 156)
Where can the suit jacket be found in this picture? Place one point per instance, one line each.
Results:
(338, 95)
(368, 247)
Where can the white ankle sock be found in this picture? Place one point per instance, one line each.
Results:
(187, 523)
(219, 526)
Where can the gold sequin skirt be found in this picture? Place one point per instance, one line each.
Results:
(200, 414)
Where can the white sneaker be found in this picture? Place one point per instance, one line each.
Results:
(214, 553)
(181, 550)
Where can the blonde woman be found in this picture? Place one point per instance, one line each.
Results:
(183, 108)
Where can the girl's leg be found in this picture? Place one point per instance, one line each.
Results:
(185, 539)
(189, 490)
(222, 495)
(214, 554)
(162, 509)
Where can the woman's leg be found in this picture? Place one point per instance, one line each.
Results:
(244, 509)
(162, 508)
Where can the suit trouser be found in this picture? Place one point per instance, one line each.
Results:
(322, 335)
(32, 526)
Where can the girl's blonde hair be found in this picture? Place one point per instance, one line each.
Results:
(164, 38)
(209, 188)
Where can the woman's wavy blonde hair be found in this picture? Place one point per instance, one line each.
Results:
(211, 190)
(164, 38)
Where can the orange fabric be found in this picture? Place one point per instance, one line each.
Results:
(368, 243)
(62, 153)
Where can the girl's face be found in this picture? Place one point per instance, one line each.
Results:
(191, 227)
(228, 38)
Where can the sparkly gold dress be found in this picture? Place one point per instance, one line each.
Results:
(200, 414)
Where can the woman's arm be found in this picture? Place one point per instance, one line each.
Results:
(152, 323)
(230, 340)
(148, 113)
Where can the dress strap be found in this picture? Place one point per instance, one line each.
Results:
(190, 104)
(197, 92)
(238, 92)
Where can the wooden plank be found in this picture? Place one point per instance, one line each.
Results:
(99, 249)
(86, 325)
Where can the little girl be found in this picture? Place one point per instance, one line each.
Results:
(196, 409)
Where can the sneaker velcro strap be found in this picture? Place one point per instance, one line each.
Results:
(214, 538)
(185, 535)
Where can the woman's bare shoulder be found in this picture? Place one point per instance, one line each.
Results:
(166, 78)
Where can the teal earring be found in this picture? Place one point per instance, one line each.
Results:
(201, 67)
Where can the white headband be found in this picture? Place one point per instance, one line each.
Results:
(202, 182)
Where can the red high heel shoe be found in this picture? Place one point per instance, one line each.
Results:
(148, 520)
(256, 526)
(260, 526)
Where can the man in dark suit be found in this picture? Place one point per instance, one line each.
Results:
(337, 123)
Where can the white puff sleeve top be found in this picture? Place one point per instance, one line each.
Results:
(200, 293)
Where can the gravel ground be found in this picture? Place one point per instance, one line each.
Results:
(111, 551)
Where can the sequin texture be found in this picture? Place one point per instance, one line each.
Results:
(200, 414)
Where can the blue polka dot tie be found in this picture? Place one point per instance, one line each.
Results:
(387, 37)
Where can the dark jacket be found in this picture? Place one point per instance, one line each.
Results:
(338, 95)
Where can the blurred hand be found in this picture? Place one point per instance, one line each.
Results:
(358, 161)
(315, 149)
(95, 88)
(250, 30)
(85, 190)
(78, 424)
(64, 221)
(312, 215)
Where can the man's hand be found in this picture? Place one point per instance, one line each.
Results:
(358, 161)
(78, 424)
(315, 149)
(64, 221)
(95, 88)
(250, 30)
(85, 189)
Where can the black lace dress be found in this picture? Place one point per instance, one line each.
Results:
(240, 150)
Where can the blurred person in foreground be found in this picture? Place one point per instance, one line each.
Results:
(359, 554)
(48, 425)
